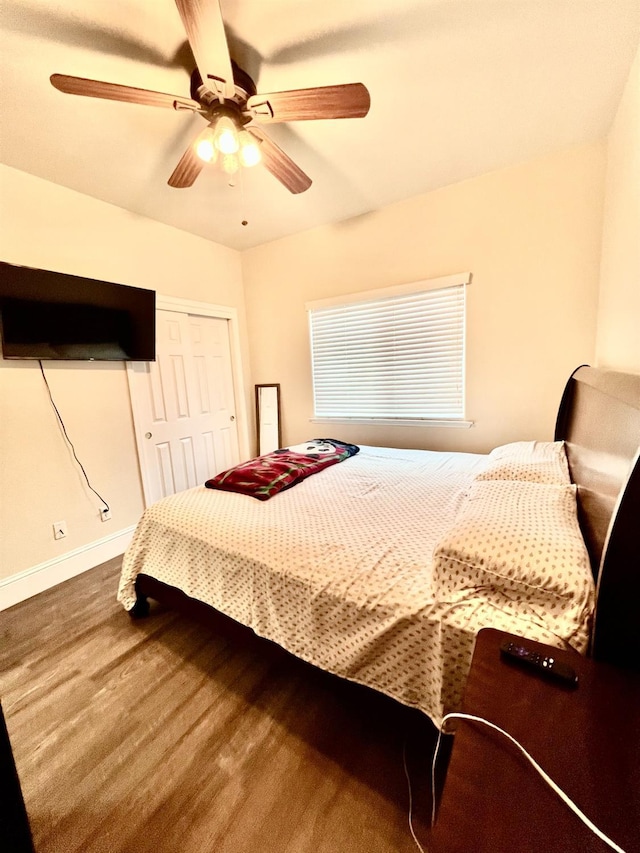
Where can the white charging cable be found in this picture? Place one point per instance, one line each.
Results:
(574, 808)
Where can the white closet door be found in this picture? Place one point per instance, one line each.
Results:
(213, 410)
(183, 403)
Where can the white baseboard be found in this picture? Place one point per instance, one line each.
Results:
(23, 585)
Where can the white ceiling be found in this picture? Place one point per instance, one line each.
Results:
(458, 88)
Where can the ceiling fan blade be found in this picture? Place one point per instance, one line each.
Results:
(189, 166)
(280, 164)
(349, 100)
(116, 92)
(202, 20)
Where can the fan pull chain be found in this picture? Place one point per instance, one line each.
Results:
(235, 179)
(244, 222)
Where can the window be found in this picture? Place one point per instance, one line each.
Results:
(395, 355)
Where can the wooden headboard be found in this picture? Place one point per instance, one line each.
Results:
(599, 419)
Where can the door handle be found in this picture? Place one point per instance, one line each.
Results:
(148, 435)
(232, 418)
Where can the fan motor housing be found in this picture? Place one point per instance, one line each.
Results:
(245, 87)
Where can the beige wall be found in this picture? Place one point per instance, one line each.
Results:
(531, 237)
(618, 339)
(44, 225)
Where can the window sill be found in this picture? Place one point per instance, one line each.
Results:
(420, 422)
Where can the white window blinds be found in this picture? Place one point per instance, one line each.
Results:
(399, 357)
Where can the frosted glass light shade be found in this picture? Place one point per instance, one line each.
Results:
(230, 164)
(249, 149)
(226, 136)
(206, 150)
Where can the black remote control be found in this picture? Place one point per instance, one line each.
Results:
(545, 665)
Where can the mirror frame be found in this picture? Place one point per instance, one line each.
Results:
(259, 389)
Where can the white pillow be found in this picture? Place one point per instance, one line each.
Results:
(523, 539)
(528, 461)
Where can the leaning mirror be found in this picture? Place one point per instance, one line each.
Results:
(268, 418)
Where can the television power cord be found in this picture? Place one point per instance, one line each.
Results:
(69, 442)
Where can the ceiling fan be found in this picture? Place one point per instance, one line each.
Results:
(226, 97)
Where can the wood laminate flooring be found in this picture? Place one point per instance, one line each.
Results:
(173, 734)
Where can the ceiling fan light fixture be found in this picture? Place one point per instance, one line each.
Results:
(249, 149)
(226, 97)
(226, 136)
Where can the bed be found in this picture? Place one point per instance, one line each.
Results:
(383, 568)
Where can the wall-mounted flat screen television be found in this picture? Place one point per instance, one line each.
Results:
(52, 315)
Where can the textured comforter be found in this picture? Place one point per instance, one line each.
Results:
(339, 571)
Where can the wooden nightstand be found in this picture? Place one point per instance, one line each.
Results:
(587, 739)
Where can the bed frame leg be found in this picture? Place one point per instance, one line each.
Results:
(141, 608)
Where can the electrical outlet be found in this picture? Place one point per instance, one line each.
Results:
(105, 514)
(59, 529)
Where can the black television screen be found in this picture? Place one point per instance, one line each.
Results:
(50, 315)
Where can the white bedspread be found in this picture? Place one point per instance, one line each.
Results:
(337, 570)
